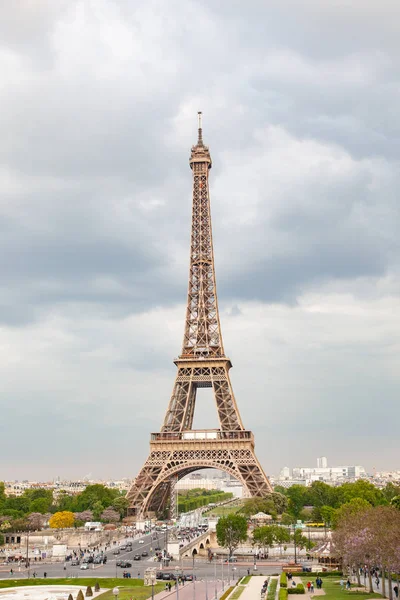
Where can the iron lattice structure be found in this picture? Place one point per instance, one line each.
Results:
(178, 449)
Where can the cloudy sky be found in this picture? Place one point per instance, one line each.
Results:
(98, 113)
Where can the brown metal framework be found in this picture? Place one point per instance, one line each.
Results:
(178, 449)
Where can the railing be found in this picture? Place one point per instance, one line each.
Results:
(200, 435)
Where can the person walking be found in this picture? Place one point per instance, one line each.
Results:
(396, 591)
(308, 585)
(348, 584)
(311, 589)
(377, 583)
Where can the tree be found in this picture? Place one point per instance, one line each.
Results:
(85, 516)
(327, 514)
(80, 595)
(89, 591)
(297, 495)
(282, 536)
(35, 520)
(121, 504)
(231, 530)
(264, 536)
(110, 515)
(395, 501)
(354, 507)
(286, 519)
(62, 520)
(97, 510)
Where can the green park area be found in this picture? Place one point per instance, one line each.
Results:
(129, 588)
(333, 590)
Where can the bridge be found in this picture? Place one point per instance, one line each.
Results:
(198, 545)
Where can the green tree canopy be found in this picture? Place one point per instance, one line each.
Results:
(231, 531)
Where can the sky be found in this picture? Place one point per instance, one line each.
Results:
(98, 113)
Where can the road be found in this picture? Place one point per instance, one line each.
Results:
(202, 568)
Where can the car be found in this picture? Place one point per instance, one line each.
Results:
(231, 559)
(187, 577)
(125, 564)
(145, 553)
(122, 547)
(159, 575)
(116, 551)
(141, 541)
(84, 566)
(167, 576)
(306, 569)
(137, 557)
(75, 562)
(119, 562)
(157, 549)
(90, 559)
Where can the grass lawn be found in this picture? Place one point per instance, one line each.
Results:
(105, 582)
(272, 589)
(222, 511)
(237, 592)
(333, 591)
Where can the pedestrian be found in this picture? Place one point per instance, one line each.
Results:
(11, 572)
(348, 584)
(311, 589)
(45, 574)
(308, 585)
(248, 571)
(396, 591)
(377, 583)
(341, 584)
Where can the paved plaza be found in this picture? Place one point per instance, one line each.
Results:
(44, 592)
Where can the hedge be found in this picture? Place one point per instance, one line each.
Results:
(299, 589)
(283, 594)
(283, 580)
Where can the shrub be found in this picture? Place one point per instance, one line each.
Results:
(283, 580)
(70, 597)
(283, 594)
(89, 591)
(97, 587)
(299, 589)
(80, 595)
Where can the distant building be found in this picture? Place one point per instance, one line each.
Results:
(306, 475)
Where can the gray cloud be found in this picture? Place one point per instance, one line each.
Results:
(98, 115)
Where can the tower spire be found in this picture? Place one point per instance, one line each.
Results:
(200, 130)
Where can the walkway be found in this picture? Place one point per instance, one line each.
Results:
(252, 590)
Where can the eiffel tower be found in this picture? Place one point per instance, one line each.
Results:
(178, 449)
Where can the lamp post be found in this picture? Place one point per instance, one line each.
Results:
(115, 593)
(294, 541)
(215, 576)
(194, 581)
(222, 570)
(206, 588)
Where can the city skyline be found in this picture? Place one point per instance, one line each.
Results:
(99, 113)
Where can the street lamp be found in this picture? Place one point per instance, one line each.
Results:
(115, 592)
(194, 581)
(294, 541)
(215, 575)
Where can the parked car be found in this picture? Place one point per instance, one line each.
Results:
(137, 557)
(145, 553)
(166, 576)
(116, 551)
(75, 562)
(84, 566)
(231, 559)
(187, 577)
(157, 549)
